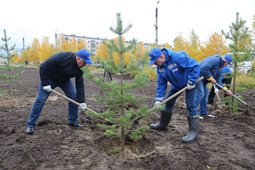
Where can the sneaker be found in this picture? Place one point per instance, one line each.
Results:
(200, 117)
(75, 124)
(30, 130)
(211, 116)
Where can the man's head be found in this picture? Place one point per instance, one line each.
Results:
(227, 58)
(83, 58)
(156, 57)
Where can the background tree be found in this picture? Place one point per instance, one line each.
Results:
(238, 33)
(46, 49)
(34, 51)
(81, 45)
(179, 43)
(26, 56)
(7, 67)
(215, 45)
(102, 51)
(123, 105)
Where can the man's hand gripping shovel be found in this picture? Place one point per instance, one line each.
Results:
(136, 121)
(233, 95)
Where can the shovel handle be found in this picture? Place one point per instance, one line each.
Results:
(169, 98)
(71, 100)
(232, 94)
(179, 92)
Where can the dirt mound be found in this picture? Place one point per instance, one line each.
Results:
(227, 141)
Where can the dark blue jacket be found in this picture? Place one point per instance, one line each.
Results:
(210, 68)
(179, 69)
(225, 71)
(60, 68)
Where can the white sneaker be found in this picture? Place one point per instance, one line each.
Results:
(211, 116)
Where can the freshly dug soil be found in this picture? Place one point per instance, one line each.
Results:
(227, 141)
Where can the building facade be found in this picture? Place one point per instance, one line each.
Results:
(90, 41)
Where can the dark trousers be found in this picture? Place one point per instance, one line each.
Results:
(212, 93)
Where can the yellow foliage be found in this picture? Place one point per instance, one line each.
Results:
(25, 55)
(253, 63)
(166, 45)
(215, 45)
(151, 73)
(102, 51)
(74, 45)
(16, 58)
(63, 45)
(140, 51)
(34, 51)
(46, 49)
(81, 45)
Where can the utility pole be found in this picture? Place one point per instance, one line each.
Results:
(56, 39)
(156, 26)
(23, 43)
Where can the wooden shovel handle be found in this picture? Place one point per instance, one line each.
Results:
(179, 92)
(232, 94)
(71, 100)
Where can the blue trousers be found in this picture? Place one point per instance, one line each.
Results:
(69, 90)
(202, 97)
(190, 101)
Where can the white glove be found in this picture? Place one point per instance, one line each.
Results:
(216, 90)
(191, 86)
(157, 103)
(83, 106)
(47, 88)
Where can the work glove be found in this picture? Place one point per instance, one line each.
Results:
(47, 88)
(191, 86)
(157, 103)
(82, 106)
(216, 90)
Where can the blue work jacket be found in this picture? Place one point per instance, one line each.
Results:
(178, 69)
(211, 67)
(225, 71)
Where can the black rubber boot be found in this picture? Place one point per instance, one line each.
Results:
(165, 118)
(193, 130)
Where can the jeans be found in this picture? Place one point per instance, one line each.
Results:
(69, 90)
(202, 97)
(190, 101)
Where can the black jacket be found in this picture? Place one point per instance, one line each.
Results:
(61, 67)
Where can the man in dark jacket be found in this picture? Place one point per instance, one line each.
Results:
(57, 71)
(210, 69)
(180, 70)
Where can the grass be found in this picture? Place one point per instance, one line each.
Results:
(245, 81)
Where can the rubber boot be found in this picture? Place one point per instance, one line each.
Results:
(162, 125)
(193, 130)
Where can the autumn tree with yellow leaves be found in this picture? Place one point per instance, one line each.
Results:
(39, 52)
(215, 45)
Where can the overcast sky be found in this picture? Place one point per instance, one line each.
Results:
(38, 18)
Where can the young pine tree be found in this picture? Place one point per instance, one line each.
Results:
(239, 52)
(123, 106)
(6, 76)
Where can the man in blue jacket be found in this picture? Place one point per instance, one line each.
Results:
(210, 69)
(225, 78)
(57, 71)
(180, 70)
